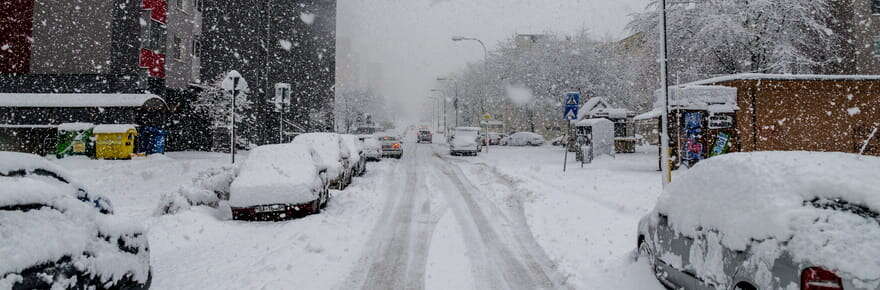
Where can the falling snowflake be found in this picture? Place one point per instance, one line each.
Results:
(308, 18)
(853, 111)
(285, 44)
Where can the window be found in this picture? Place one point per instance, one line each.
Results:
(179, 50)
(877, 46)
(875, 6)
(180, 4)
(198, 5)
(196, 45)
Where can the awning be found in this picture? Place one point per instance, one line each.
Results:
(76, 100)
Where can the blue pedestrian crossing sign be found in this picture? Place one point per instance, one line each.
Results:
(572, 103)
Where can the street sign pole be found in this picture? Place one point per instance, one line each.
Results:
(664, 76)
(572, 104)
(232, 130)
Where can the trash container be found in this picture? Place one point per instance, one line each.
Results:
(151, 140)
(114, 141)
(75, 139)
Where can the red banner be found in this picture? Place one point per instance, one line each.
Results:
(153, 62)
(158, 9)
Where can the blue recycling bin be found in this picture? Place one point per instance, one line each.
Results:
(151, 140)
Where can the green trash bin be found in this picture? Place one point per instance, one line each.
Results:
(75, 139)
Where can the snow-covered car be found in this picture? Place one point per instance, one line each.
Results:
(279, 181)
(491, 138)
(768, 220)
(391, 146)
(358, 158)
(333, 153)
(524, 139)
(465, 141)
(55, 234)
(372, 147)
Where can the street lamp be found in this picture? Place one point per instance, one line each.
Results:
(455, 99)
(664, 77)
(485, 66)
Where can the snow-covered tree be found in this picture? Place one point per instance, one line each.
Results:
(712, 37)
(215, 104)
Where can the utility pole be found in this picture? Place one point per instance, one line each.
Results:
(665, 159)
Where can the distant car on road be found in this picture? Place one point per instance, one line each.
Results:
(56, 235)
(391, 146)
(768, 220)
(335, 155)
(425, 136)
(465, 141)
(372, 147)
(524, 139)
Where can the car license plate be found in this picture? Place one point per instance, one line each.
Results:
(268, 208)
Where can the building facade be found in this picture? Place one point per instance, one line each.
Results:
(271, 42)
(76, 58)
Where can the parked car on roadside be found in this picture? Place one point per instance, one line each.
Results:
(279, 181)
(492, 138)
(768, 220)
(465, 141)
(424, 136)
(524, 139)
(333, 153)
(358, 158)
(391, 146)
(55, 234)
(372, 147)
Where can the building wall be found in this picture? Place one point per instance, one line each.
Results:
(71, 37)
(182, 65)
(811, 115)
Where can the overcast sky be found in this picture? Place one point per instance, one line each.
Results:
(401, 46)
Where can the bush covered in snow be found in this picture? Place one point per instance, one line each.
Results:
(207, 189)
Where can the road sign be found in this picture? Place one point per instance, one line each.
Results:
(572, 103)
(487, 116)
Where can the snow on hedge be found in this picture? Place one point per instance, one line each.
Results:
(277, 174)
(776, 197)
(330, 149)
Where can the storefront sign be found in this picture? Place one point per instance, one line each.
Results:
(720, 121)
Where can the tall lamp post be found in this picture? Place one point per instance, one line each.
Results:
(485, 66)
(455, 100)
(665, 158)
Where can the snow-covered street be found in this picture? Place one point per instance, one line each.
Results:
(508, 219)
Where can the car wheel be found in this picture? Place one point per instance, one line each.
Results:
(645, 252)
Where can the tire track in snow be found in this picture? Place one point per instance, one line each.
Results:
(514, 258)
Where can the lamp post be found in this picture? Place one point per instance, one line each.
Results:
(455, 93)
(664, 79)
(485, 67)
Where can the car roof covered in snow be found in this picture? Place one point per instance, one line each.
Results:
(15, 161)
(278, 173)
(768, 195)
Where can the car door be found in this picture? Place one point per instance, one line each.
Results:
(673, 255)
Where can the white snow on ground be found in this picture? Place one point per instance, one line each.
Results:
(585, 218)
(201, 248)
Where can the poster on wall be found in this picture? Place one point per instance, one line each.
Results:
(691, 133)
(722, 144)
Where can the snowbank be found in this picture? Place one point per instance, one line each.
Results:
(277, 174)
(785, 197)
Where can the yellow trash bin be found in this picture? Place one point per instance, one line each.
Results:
(114, 141)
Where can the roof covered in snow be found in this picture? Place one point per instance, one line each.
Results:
(75, 126)
(755, 76)
(772, 197)
(720, 99)
(74, 100)
(113, 128)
